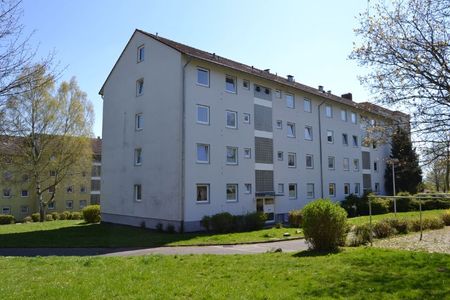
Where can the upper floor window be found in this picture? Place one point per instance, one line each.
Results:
(280, 188)
(290, 129)
(6, 210)
(346, 164)
(345, 139)
(280, 155)
(292, 160)
(330, 136)
(231, 119)
(355, 164)
(248, 188)
(309, 161)
(247, 153)
(230, 84)
(374, 145)
(307, 105)
(331, 162)
(278, 93)
(279, 124)
(290, 102)
(6, 193)
(203, 153)
(292, 190)
(137, 156)
(344, 115)
(138, 121)
(24, 193)
(328, 111)
(232, 155)
(140, 87)
(203, 77)
(355, 141)
(140, 53)
(308, 133)
(375, 166)
(246, 84)
(353, 117)
(203, 114)
(346, 189)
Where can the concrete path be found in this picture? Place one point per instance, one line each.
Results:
(285, 246)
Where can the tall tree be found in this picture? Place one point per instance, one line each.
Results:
(408, 174)
(48, 132)
(405, 45)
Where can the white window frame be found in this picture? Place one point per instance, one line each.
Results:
(139, 87)
(7, 193)
(247, 153)
(332, 186)
(138, 118)
(308, 130)
(356, 165)
(137, 192)
(295, 190)
(235, 150)
(353, 117)
(248, 188)
(280, 155)
(208, 76)
(201, 106)
(236, 186)
(307, 105)
(310, 194)
(289, 104)
(333, 159)
(294, 155)
(279, 124)
(344, 115)
(6, 210)
(24, 209)
(235, 119)
(67, 202)
(207, 153)
(247, 118)
(52, 205)
(234, 79)
(290, 125)
(347, 186)
(138, 156)
(346, 164)
(312, 161)
(140, 50)
(330, 134)
(280, 188)
(328, 111)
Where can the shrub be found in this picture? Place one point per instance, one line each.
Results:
(402, 204)
(55, 216)
(295, 218)
(7, 219)
(383, 229)
(400, 226)
(170, 228)
(75, 215)
(324, 224)
(414, 225)
(222, 222)
(350, 205)
(433, 223)
(254, 221)
(27, 219)
(435, 204)
(279, 225)
(446, 218)
(49, 217)
(206, 223)
(380, 206)
(91, 214)
(65, 215)
(160, 227)
(362, 235)
(36, 217)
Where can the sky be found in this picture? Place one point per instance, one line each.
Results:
(308, 39)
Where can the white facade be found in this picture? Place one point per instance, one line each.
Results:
(156, 169)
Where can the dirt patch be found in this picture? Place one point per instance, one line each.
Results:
(433, 241)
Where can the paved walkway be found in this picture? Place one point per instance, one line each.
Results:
(285, 246)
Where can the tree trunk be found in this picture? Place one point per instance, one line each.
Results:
(447, 170)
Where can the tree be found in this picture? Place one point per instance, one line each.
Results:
(408, 174)
(48, 132)
(437, 157)
(405, 45)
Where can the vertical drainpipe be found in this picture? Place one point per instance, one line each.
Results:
(183, 137)
(320, 150)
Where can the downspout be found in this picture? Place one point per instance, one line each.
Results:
(183, 137)
(320, 149)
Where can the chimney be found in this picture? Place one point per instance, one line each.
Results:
(329, 91)
(290, 78)
(348, 96)
(321, 88)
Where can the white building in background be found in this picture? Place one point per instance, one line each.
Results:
(187, 133)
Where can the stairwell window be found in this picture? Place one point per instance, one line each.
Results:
(346, 164)
(248, 188)
(137, 192)
(247, 118)
(140, 53)
(137, 156)
(140, 87)
(377, 188)
(330, 136)
(330, 162)
(203, 77)
(309, 161)
(138, 121)
(230, 84)
(280, 189)
(356, 165)
(247, 153)
(280, 155)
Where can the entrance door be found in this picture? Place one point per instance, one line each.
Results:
(266, 205)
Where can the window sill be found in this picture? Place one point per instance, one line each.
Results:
(231, 92)
(231, 164)
(202, 123)
(203, 85)
(202, 162)
(202, 202)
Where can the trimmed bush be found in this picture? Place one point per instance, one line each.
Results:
(160, 227)
(55, 216)
(362, 235)
(222, 222)
(65, 215)
(400, 226)
(254, 221)
(206, 223)
(383, 229)
(380, 206)
(324, 225)
(295, 218)
(91, 214)
(27, 219)
(435, 204)
(350, 205)
(49, 217)
(446, 218)
(170, 228)
(75, 215)
(414, 225)
(403, 204)
(433, 223)
(7, 219)
(36, 217)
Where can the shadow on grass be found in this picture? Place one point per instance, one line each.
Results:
(314, 253)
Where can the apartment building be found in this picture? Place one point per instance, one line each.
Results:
(75, 192)
(187, 133)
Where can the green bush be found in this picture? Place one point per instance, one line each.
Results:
(55, 216)
(27, 219)
(75, 215)
(383, 229)
(380, 206)
(36, 217)
(7, 219)
(222, 222)
(362, 235)
(65, 215)
(324, 225)
(350, 205)
(170, 228)
(91, 214)
(254, 221)
(433, 223)
(400, 226)
(206, 223)
(414, 225)
(403, 204)
(435, 204)
(446, 218)
(295, 218)
(49, 217)
(160, 227)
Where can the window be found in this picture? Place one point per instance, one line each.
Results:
(375, 166)
(345, 139)
(330, 136)
(203, 77)
(232, 158)
(309, 161)
(24, 209)
(248, 188)
(137, 156)
(246, 84)
(290, 129)
(292, 160)
(344, 115)
(202, 193)
(69, 189)
(246, 118)
(374, 145)
(308, 133)
(346, 189)
(330, 162)
(232, 192)
(140, 87)
(203, 114)
(355, 141)
(290, 102)
(346, 164)
(281, 188)
(51, 189)
(353, 117)
(82, 189)
(137, 192)
(203, 153)
(307, 105)
(51, 205)
(6, 210)
(52, 173)
(377, 188)
(69, 204)
(278, 93)
(356, 164)
(292, 191)
(328, 111)
(138, 121)
(310, 190)
(83, 203)
(231, 119)
(357, 189)
(140, 53)
(7, 193)
(230, 84)
(332, 190)
(280, 155)
(279, 124)
(25, 178)
(247, 153)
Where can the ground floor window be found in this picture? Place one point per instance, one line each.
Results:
(6, 210)
(83, 203)
(69, 204)
(332, 190)
(232, 192)
(310, 190)
(292, 190)
(137, 192)
(202, 193)
(51, 205)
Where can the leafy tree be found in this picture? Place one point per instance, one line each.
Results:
(408, 174)
(48, 132)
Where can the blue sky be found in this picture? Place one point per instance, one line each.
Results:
(308, 39)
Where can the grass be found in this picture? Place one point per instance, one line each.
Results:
(78, 234)
(360, 273)
(401, 215)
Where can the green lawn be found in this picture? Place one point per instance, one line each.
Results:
(402, 215)
(79, 234)
(359, 273)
